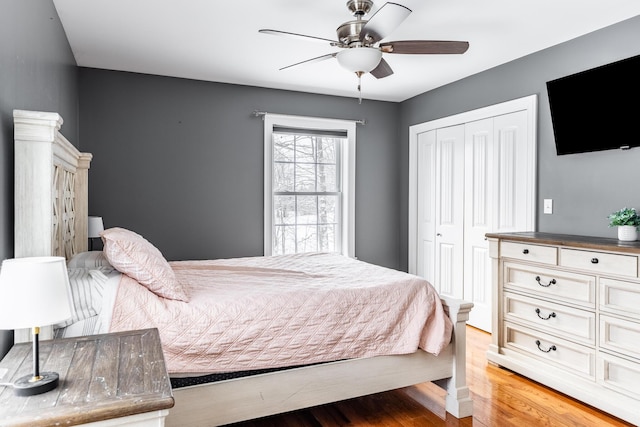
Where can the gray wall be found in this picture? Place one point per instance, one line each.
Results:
(37, 72)
(181, 162)
(585, 187)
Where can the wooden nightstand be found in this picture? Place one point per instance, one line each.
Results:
(105, 380)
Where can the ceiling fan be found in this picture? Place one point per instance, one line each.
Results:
(360, 41)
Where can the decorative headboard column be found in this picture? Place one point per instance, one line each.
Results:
(51, 188)
(82, 202)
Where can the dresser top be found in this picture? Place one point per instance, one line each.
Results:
(585, 242)
(101, 377)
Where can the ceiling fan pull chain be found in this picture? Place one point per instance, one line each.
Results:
(359, 74)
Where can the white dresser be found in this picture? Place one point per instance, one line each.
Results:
(567, 314)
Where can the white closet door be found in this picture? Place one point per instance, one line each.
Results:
(425, 246)
(480, 177)
(440, 209)
(449, 211)
(470, 174)
(514, 157)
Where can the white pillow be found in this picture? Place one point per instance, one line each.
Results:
(86, 289)
(89, 259)
(133, 255)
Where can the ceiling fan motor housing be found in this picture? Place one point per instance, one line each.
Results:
(359, 7)
(349, 32)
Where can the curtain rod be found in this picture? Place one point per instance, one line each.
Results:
(264, 113)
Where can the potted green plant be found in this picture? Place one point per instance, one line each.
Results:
(627, 221)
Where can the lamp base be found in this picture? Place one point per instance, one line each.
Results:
(27, 386)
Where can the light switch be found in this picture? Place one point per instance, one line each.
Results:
(548, 206)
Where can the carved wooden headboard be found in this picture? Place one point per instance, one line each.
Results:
(51, 193)
(51, 188)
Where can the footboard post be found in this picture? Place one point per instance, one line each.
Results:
(458, 401)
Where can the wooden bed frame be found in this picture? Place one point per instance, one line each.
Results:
(51, 200)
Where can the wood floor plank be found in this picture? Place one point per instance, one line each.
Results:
(500, 398)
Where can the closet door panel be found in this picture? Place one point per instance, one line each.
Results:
(514, 201)
(449, 211)
(479, 178)
(426, 188)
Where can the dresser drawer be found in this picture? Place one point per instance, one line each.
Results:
(562, 286)
(570, 323)
(599, 262)
(620, 297)
(528, 252)
(620, 335)
(574, 358)
(619, 374)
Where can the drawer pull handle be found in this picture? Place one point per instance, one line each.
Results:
(594, 260)
(545, 318)
(525, 251)
(551, 282)
(552, 348)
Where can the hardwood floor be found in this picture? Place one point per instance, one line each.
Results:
(500, 398)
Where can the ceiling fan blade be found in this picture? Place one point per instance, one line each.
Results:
(316, 59)
(425, 47)
(382, 70)
(295, 35)
(383, 22)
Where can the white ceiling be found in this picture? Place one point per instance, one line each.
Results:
(215, 40)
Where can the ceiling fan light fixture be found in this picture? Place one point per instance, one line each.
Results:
(359, 59)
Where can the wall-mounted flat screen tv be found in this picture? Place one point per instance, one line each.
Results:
(597, 109)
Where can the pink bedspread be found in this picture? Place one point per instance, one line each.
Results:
(266, 312)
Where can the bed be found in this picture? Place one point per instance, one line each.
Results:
(51, 220)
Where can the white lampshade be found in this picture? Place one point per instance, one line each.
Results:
(34, 292)
(359, 59)
(95, 226)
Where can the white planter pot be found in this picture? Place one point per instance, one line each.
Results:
(627, 233)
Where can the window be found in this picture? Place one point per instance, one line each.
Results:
(306, 192)
(309, 182)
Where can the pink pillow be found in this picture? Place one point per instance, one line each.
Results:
(133, 255)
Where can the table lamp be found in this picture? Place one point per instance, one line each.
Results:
(94, 227)
(34, 292)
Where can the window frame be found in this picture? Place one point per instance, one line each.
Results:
(347, 173)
